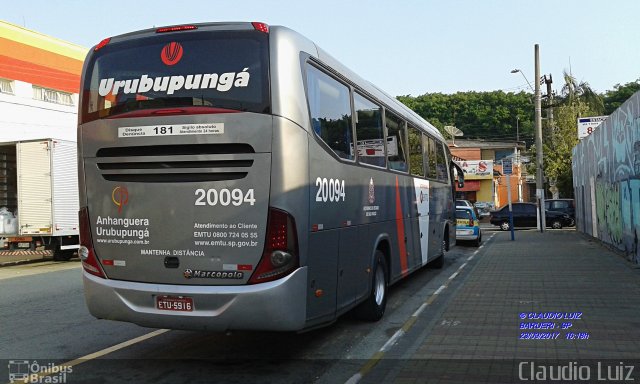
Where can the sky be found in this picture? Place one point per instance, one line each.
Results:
(405, 47)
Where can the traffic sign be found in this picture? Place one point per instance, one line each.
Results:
(507, 167)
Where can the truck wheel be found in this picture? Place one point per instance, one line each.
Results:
(63, 255)
(60, 254)
(373, 308)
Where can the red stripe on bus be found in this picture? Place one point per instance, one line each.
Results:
(401, 235)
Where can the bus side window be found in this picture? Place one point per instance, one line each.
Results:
(416, 159)
(370, 137)
(330, 107)
(431, 158)
(441, 167)
(396, 146)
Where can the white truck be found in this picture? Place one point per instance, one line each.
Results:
(39, 197)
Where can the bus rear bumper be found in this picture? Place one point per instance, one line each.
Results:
(277, 305)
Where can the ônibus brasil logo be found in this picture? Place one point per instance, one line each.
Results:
(120, 197)
(171, 53)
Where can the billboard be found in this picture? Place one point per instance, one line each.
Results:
(476, 169)
(586, 125)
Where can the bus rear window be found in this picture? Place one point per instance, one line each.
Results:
(221, 71)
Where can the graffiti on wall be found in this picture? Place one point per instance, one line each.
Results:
(608, 210)
(606, 168)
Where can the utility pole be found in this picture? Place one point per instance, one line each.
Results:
(548, 81)
(539, 160)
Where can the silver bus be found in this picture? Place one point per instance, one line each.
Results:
(236, 176)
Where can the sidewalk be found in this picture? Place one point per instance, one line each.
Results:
(9, 258)
(477, 336)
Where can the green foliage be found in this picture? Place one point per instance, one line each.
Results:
(494, 116)
(480, 115)
(613, 99)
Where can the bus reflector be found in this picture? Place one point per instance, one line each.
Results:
(280, 255)
(262, 27)
(90, 262)
(176, 28)
(102, 44)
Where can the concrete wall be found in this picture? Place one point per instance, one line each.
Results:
(606, 180)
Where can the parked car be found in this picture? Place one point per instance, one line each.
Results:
(484, 208)
(468, 225)
(524, 215)
(467, 203)
(464, 203)
(567, 206)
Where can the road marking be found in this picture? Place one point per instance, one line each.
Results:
(355, 379)
(419, 310)
(95, 355)
(392, 340)
(117, 347)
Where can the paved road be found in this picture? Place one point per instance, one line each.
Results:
(452, 323)
(44, 319)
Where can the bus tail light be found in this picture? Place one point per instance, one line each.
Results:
(176, 28)
(102, 44)
(86, 252)
(280, 255)
(262, 27)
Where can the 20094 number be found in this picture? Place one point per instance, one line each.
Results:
(330, 190)
(224, 197)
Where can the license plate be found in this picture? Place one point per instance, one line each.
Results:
(174, 303)
(18, 239)
(24, 245)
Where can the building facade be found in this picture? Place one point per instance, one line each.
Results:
(39, 85)
(485, 179)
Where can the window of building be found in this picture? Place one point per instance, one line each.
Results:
(369, 134)
(6, 86)
(396, 142)
(52, 96)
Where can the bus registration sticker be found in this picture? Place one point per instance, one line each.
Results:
(174, 303)
(172, 130)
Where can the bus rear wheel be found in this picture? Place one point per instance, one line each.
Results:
(373, 308)
(444, 247)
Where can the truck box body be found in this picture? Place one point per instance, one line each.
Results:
(38, 183)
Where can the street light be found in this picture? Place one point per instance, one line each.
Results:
(538, 126)
(525, 77)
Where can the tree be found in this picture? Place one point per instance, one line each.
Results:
(480, 115)
(613, 99)
(577, 99)
(577, 93)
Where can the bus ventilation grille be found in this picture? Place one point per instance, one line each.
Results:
(175, 163)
